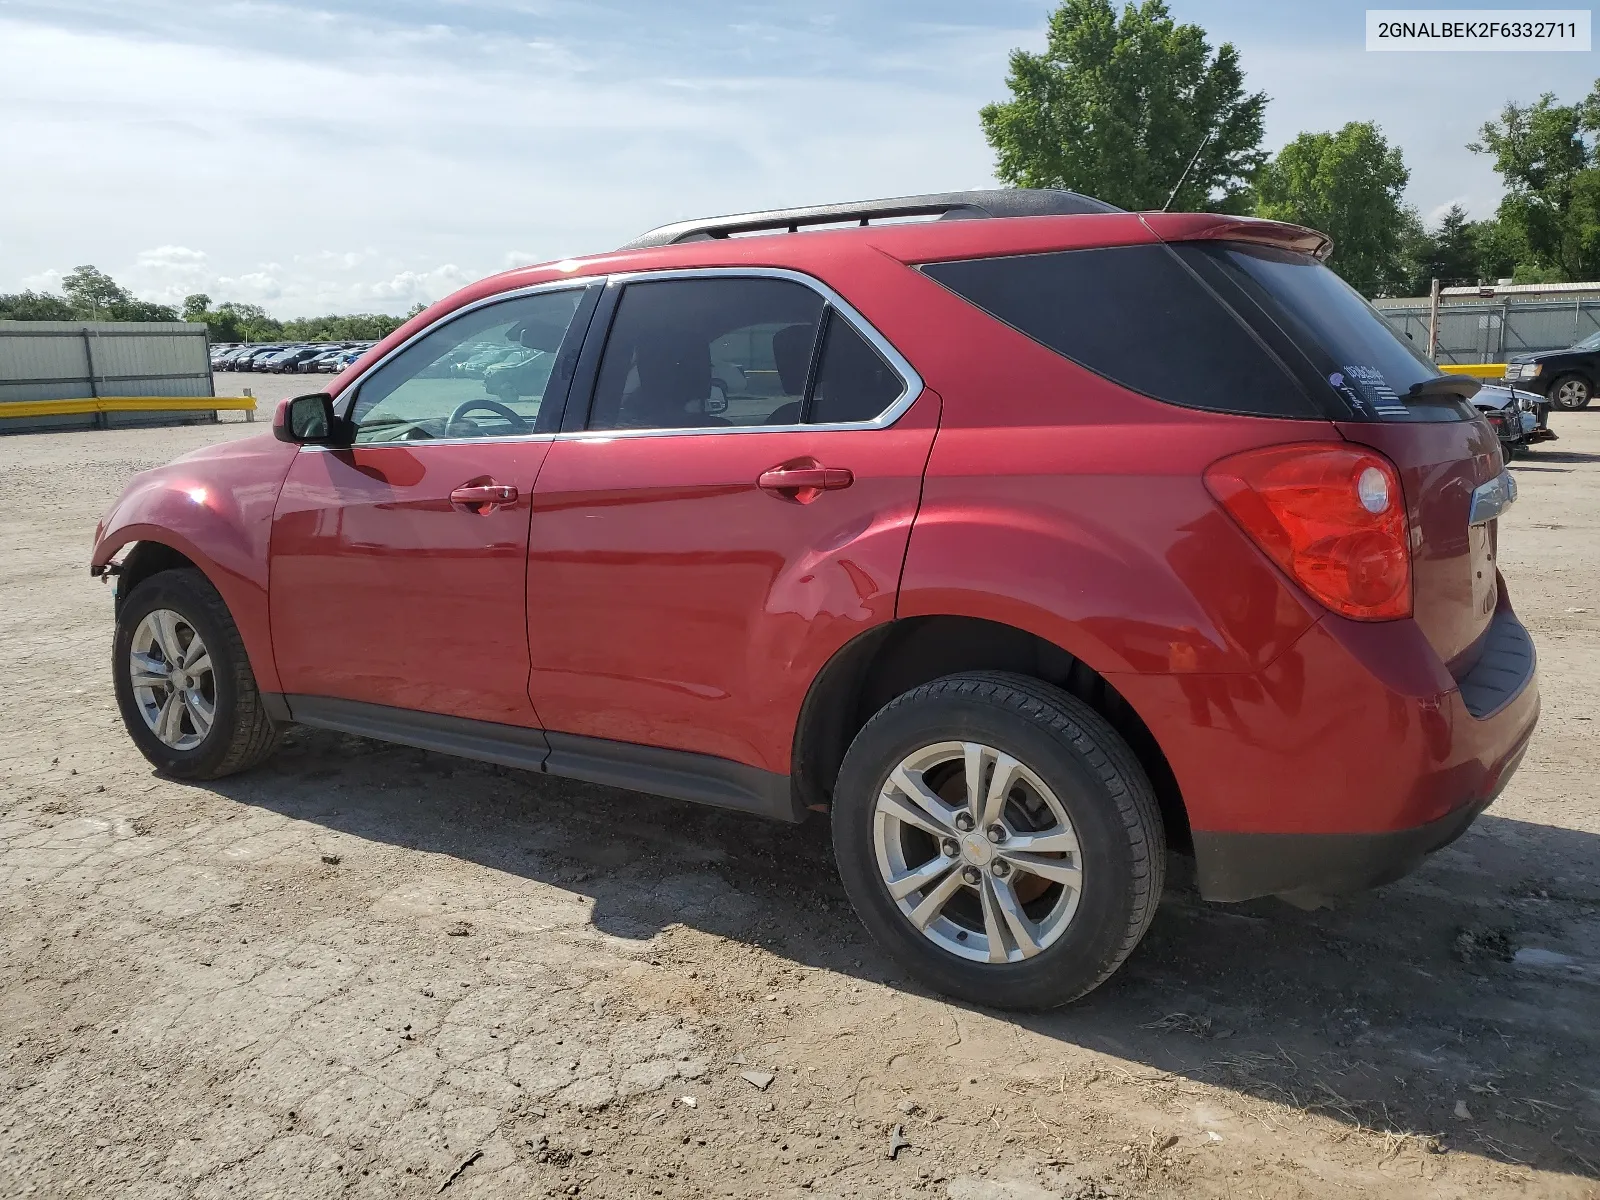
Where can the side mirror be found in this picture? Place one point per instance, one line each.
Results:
(308, 421)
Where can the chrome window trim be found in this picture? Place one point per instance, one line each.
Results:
(911, 382)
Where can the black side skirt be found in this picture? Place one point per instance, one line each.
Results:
(701, 778)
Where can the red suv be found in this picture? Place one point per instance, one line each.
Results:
(1029, 540)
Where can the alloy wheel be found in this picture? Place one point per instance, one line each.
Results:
(1573, 393)
(174, 686)
(977, 852)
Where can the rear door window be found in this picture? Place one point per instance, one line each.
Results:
(853, 382)
(1138, 316)
(707, 353)
(728, 351)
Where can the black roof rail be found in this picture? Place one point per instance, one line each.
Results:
(946, 206)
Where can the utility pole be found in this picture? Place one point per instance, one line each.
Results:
(1433, 320)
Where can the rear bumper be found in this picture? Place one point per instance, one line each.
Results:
(1242, 866)
(1346, 762)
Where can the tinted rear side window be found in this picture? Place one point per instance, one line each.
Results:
(1138, 316)
(853, 381)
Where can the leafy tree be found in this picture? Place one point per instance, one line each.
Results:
(1348, 185)
(1117, 107)
(1547, 154)
(1452, 251)
(34, 306)
(94, 294)
(91, 294)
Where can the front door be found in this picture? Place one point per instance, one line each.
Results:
(398, 565)
(736, 508)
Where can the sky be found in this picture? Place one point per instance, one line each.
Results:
(320, 156)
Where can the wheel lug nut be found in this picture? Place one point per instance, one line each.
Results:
(1001, 868)
(951, 847)
(970, 874)
(964, 822)
(997, 833)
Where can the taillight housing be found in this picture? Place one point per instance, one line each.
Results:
(1332, 516)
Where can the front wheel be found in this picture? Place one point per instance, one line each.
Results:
(183, 682)
(1571, 392)
(999, 839)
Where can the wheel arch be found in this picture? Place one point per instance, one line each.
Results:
(148, 557)
(891, 659)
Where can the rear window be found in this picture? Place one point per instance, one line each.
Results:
(1138, 316)
(1348, 341)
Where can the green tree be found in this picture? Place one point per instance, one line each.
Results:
(94, 295)
(1117, 107)
(1348, 185)
(1547, 155)
(196, 307)
(34, 306)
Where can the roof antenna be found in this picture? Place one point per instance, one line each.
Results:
(1172, 195)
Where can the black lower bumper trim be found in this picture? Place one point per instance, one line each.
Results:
(1242, 866)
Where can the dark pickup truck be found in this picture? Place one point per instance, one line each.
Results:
(1567, 378)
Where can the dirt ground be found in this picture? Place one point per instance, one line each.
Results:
(369, 971)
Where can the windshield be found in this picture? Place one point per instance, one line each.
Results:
(1352, 345)
(1592, 342)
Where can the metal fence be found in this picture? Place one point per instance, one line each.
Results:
(1486, 331)
(71, 360)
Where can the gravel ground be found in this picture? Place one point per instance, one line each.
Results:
(369, 971)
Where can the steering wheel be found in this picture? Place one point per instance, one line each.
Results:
(518, 423)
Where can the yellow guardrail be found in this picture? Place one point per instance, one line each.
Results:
(109, 404)
(1481, 370)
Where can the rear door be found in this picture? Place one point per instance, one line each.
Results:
(734, 507)
(398, 565)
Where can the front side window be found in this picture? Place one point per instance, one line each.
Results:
(735, 351)
(480, 375)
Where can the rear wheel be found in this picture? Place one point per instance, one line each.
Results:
(999, 839)
(1571, 392)
(183, 682)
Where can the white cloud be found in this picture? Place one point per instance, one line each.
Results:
(432, 146)
(331, 156)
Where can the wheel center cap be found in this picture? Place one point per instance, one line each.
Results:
(976, 850)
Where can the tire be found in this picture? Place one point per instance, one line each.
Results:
(1095, 781)
(1578, 392)
(239, 734)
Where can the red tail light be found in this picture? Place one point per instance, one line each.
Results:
(1331, 516)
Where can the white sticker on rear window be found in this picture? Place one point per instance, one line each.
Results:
(1373, 389)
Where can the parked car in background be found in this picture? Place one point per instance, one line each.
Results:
(290, 360)
(227, 360)
(342, 360)
(1567, 378)
(253, 358)
(1025, 549)
(314, 362)
(1521, 420)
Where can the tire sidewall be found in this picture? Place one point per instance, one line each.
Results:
(1078, 960)
(173, 590)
